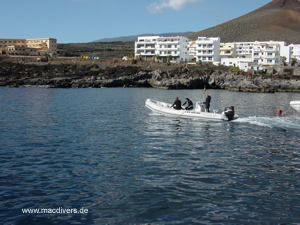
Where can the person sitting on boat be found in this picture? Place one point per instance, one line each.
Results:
(189, 104)
(177, 104)
(207, 102)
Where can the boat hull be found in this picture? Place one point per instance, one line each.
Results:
(295, 105)
(165, 109)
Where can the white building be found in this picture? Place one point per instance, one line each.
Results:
(145, 47)
(244, 49)
(174, 47)
(266, 53)
(295, 51)
(208, 49)
(243, 63)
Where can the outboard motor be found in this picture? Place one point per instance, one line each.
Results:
(229, 112)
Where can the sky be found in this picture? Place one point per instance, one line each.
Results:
(82, 21)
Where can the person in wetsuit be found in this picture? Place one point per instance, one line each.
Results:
(207, 102)
(189, 104)
(177, 104)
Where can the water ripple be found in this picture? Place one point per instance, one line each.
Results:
(101, 149)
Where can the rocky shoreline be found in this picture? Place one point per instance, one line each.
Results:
(76, 75)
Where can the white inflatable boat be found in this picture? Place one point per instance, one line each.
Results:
(197, 113)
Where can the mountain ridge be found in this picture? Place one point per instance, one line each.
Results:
(278, 20)
(134, 37)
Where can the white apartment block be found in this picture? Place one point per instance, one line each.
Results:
(207, 49)
(145, 47)
(244, 49)
(174, 47)
(266, 53)
(29, 47)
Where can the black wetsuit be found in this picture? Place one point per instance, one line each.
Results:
(177, 104)
(207, 102)
(189, 105)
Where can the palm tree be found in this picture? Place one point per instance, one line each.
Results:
(132, 55)
(157, 57)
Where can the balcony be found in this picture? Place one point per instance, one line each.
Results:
(168, 48)
(167, 53)
(201, 47)
(271, 56)
(271, 49)
(169, 42)
(204, 53)
(145, 47)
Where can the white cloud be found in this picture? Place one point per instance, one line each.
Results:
(171, 4)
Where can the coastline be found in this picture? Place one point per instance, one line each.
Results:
(79, 73)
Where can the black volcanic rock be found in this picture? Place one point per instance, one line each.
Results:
(65, 75)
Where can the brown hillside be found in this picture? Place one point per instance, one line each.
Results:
(278, 20)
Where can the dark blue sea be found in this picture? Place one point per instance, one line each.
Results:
(99, 156)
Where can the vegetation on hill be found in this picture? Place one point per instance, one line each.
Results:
(105, 50)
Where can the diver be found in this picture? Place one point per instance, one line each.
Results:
(177, 104)
(207, 102)
(189, 104)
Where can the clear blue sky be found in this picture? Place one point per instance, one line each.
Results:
(78, 21)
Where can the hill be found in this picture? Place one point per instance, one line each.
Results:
(278, 20)
(105, 50)
(134, 37)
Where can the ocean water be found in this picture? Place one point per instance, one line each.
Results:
(99, 156)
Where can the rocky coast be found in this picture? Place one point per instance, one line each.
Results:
(117, 73)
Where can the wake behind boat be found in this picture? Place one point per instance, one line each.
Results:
(197, 113)
(295, 105)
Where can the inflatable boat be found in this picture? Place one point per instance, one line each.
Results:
(197, 112)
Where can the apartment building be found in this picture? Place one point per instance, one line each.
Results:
(29, 47)
(266, 53)
(174, 47)
(145, 47)
(165, 47)
(207, 49)
(244, 49)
